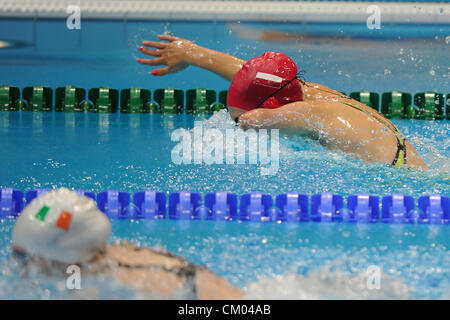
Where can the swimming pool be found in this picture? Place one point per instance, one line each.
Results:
(131, 152)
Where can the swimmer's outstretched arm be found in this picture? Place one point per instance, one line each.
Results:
(177, 54)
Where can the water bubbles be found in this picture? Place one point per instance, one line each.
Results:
(327, 283)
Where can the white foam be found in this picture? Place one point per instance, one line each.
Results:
(325, 284)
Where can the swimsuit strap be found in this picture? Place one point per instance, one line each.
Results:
(187, 271)
(276, 91)
(400, 156)
(378, 117)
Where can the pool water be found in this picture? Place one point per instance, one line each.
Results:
(132, 152)
(347, 57)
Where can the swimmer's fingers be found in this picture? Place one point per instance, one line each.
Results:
(169, 69)
(152, 62)
(150, 52)
(154, 44)
(167, 37)
(162, 71)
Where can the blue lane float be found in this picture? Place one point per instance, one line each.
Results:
(150, 204)
(362, 208)
(293, 207)
(87, 194)
(397, 208)
(11, 202)
(326, 207)
(221, 205)
(256, 206)
(32, 194)
(115, 204)
(288, 207)
(185, 205)
(434, 209)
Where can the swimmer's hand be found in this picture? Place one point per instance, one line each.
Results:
(173, 54)
(177, 54)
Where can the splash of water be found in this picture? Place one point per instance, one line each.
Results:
(324, 284)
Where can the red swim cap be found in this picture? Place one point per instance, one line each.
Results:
(262, 76)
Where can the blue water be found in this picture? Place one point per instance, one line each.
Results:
(347, 57)
(132, 152)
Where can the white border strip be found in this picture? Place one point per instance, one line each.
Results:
(286, 11)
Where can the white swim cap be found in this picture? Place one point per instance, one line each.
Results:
(63, 226)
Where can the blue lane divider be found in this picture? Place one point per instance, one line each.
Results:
(114, 204)
(397, 209)
(222, 205)
(326, 207)
(362, 208)
(11, 202)
(434, 209)
(255, 206)
(293, 207)
(87, 194)
(34, 194)
(150, 204)
(184, 205)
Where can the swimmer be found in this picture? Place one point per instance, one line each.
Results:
(61, 228)
(268, 92)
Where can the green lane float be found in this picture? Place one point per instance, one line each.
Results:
(222, 102)
(69, 99)
(430, 104)
(9, 96)
(170, 100)
(86, 106)
(370, 99)
(199, 101)
(217, 107)
(135, 100)
(152, 107)
(397, 104)
(21, 105)
(105, 100)
(223, 97)
(447, 108)
(38, 98)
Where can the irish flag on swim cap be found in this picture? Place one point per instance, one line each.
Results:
(63, 226)
(262, 76)
(63, 220)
